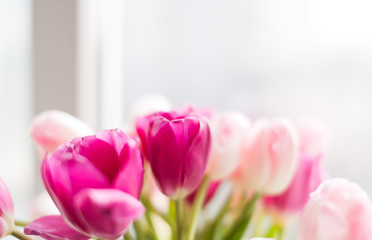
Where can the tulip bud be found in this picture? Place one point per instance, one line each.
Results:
(95, 183)
(148, 104)
(269, 157)
(338, 209)
(52, 128)
(228, 130)
(177, 147)
(6, 210)
(310, 173)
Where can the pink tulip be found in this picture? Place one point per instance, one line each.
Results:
(337, 210)
(310, 173)
(228, 130)
(6, 210)
(177, 147)
(95, 183)
(52, 128)
(269, 157)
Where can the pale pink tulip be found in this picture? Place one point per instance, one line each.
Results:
(51, 128)
(177, 146)
(229, 129)
(6, 210)
(337, 210)
(95, 183)
(148, 104)
(269, 157)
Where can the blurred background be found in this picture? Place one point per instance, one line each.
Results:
(94, 58)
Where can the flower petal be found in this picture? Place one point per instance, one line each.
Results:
(107, 212)
(115, 137)
(66, 173)
(130, 177)
(196, 158)
(100, 153)
(53, 228)
(166, 157)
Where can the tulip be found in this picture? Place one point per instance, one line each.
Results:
(177, 146)
(6, 210)
(52, 128)
(269, 157)
(228, 130)
(337, 210)
(95, 183)
(310, 173)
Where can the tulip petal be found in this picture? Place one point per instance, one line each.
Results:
(100, 153)
(116, 138)
(142, 126)
(53, 228)
(6, 202)
(65, 173)
(169, 157)
(130, 178)
(283, 153)
(196, 158)
(107, 212)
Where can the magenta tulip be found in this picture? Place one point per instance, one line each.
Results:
(310, 173)
(177, 146)
(6, 210)
(95, 183)
(337, 210)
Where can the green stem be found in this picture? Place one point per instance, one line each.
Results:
(128, 236)
(139, 231)
(214, 230)
(237, 230)
(151, 224)
(179, 204)
(21, 223)
(197, 206)
(276, 230)
(165, 217)
(281, 233)
(20, 235)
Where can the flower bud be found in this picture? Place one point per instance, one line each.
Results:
(177, 146)
(228, 130)
(51, 128)
(95, 183)
(6, 210)
(338, 209)
(269, 157)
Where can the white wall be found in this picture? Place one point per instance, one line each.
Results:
(16, 155)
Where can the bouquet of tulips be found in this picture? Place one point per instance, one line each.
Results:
(159, 178)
